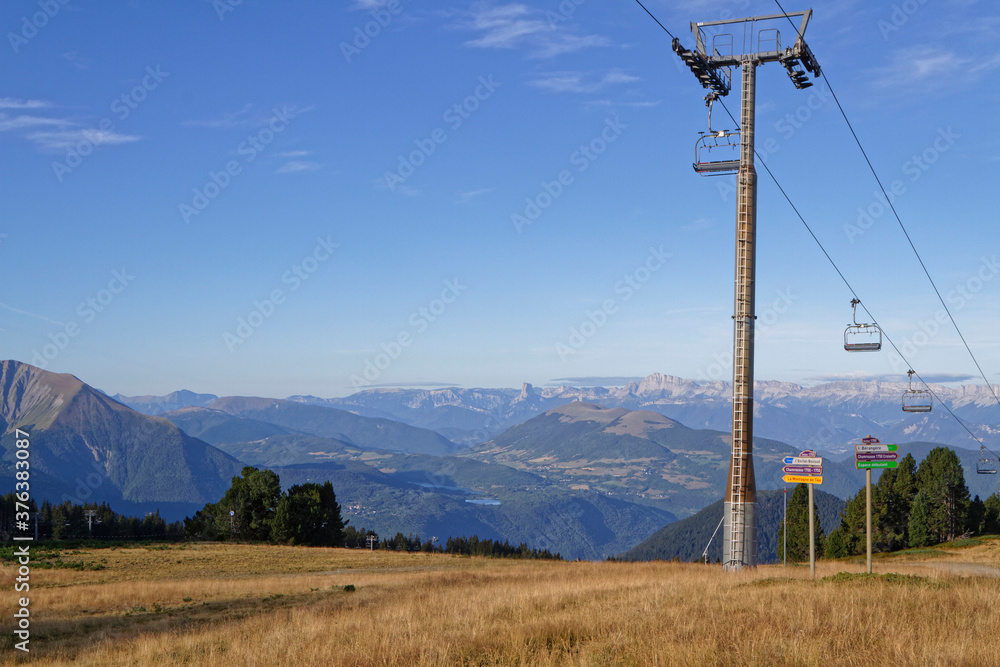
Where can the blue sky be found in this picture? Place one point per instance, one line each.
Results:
(260, 198)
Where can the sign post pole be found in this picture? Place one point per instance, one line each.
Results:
(868, 514)
(812, 535)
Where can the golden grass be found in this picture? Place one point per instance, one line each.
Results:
(263, 605)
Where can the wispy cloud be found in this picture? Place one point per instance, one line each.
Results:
(930, 67)
(516, 25)
(298, 166)
(25, 122)
(860, 376)
(64, 139)
(30, 314)
(581, 82)
(466, 197)
(244, 117)
(595, 381)
(54, 134)
(14, 103)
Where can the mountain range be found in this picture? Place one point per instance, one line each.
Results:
(827, 417)
(87, 447)
(589, 472)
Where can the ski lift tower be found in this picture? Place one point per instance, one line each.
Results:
(716, 53)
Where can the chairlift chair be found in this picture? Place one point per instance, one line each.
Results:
(916, 400)
(986, 465)
(722, 141)
(862, 337)
(726, 140)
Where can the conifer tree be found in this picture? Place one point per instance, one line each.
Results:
(798, 528)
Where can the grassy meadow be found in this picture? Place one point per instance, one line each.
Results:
(224, 604)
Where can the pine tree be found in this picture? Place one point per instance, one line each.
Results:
(977, 513)
(848, 539)
(798, 528)
(920, 534)
(252, 498)
(941, 480)
(991, 521)
(892, 498)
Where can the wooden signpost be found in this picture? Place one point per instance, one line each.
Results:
(806, 468)
(872, 454)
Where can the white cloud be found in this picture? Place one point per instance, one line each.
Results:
(516, 25)
(931, 67)
(298, 166)
(65, 139)
(8, 123)
(466, 197)
(244, 117)
(13, 103)
(581, 82)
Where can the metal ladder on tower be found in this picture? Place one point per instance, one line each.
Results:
(743, 319)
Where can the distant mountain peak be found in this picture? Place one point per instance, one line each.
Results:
(527, 392)
(580, 411)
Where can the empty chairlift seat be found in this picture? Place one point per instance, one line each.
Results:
(862, 337)
(986, 465)
(722, 143)
(916, 400)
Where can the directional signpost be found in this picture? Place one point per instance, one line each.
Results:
(868, 465)
(868, 455)
(806, 468)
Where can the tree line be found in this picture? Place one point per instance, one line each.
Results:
(89, 520)
(460, 546)
(912, 506)
(255, 509)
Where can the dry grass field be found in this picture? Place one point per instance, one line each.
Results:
(220, 604)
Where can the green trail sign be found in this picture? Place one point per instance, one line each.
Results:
(876, 464)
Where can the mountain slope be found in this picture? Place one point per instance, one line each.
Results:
(686, 539)
(157, 405)
(640, 456)
(86, 446)
(363, 432)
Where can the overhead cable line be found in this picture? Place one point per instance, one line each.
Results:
(834, 264)
(853, 292)
(658, 20)
(895, 213)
